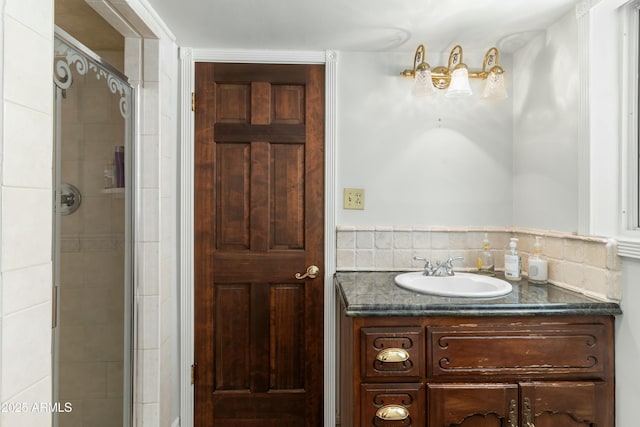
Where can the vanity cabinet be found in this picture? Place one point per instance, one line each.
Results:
(476, 371)
(540, 404)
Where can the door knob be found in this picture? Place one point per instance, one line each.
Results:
(312, 273)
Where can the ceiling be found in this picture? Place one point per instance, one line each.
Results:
(357, 25)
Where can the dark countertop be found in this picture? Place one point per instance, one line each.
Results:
(374, 293)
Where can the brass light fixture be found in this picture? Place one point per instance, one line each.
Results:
(455, 76)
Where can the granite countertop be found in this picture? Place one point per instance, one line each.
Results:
(374, 293)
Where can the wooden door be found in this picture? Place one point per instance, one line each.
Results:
(259, 207)
(566, 404)
(472, 405)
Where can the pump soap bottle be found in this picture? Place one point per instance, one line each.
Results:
(512, 263)
(537, 265)
(485, 260)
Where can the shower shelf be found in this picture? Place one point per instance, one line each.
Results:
(114, 190)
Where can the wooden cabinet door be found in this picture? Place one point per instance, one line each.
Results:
(259, 219)
(472, 405)
(566, 404)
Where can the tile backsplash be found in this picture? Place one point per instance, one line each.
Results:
(585, 264)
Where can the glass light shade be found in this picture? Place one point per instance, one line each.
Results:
(423, 85)
(494, 88)
(459, 85)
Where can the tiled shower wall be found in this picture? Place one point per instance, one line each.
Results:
(92, 259)
(26, 123)
(585, 264)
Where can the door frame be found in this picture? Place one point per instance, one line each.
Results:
(188, 58)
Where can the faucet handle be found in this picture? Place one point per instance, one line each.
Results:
(428, 268)
(456, 258)
(448, 264)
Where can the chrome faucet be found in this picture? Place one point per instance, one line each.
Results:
(441, 269)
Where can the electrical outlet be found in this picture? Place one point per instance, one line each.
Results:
(354, 198)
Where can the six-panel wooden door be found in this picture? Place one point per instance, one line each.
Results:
(259, 219)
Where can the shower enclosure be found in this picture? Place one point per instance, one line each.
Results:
(93, 252)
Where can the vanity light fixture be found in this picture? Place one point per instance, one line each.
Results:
(455, 76)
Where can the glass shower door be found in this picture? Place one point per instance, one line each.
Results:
(93, 251)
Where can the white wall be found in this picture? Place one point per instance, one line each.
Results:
(421, 161)
(545, 137)
(26, 141)
(606, 134)
(461, 162)
(606, 121)
(628, 347)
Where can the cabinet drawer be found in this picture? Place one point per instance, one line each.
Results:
(392, 405)
(392, 353)
(553, 351)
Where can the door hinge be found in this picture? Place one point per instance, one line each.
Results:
(193, 372)
(193, 101)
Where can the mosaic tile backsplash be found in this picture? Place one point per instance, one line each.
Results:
(585, 264)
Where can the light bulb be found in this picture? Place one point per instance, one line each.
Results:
(459, 85)
(423, 85)
(494, 88)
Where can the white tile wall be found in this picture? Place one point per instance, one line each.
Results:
(157, 397)
(28, 137)
(26, 34)
(25, 287)
(28, 84)
(169, 336)
(26, 344)
(35, 394)
(26, 238)
(148, 345)
(36, 14)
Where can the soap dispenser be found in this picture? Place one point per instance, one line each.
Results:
(512, 263)
(485, 260)
(537, 265)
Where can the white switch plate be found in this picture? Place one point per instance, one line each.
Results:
(354, 198)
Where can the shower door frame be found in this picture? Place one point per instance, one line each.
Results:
(131, 207)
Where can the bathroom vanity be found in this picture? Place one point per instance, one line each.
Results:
(540, 356)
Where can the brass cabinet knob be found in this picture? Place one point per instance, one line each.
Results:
(393, 355)
(392, 413)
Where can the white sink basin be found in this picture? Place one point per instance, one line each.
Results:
(461, 285)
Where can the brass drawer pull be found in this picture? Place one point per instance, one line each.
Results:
(392, 413)
(393, 355)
